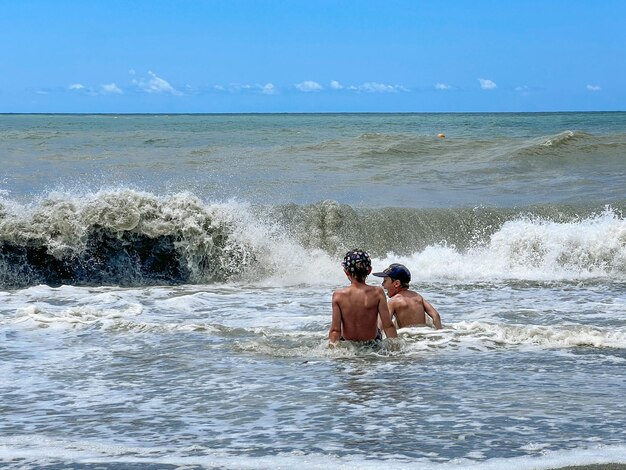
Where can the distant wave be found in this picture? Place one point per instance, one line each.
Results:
(566, 144)
(384, 145)
(565, 137)
(570, 144)
(129, 237)
(155, 141)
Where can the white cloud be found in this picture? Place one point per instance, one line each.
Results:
(366, 87)
(237, 87)
(269, 89)
(593, 88)
(80, 88)
(308, 86)
(156, 85)
(486, 84)
(375, 87)
(442, 86)
(524, 90)
(111, 89)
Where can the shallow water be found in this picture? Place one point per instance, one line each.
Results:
(157, 322)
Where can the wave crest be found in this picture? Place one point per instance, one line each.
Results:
(572, 145)
(127, 237)
(122, 237)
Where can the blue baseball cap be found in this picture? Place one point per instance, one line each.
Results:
(396, 271)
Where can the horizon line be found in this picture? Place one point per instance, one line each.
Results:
(243, 113)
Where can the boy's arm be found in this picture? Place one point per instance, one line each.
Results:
(334, 334)
(433, 313)
(384, 316)
(391, 314)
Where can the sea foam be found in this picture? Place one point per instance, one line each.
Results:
(530, 248)
(127, 237)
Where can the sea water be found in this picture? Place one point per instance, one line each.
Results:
(165, 286)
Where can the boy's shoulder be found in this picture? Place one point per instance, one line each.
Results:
(375, 291)
(404, 296)
(363, 288)
(340, 291)
(343, 292)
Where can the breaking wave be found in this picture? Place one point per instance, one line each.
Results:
(126, 237)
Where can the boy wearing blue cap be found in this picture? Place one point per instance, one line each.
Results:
(357, 308)
(408, 307)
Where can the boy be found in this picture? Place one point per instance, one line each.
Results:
(356, 308)
(408, 307)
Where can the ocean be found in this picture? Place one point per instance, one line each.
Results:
(165, 285)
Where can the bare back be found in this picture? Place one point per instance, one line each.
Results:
(356, 309)
(410, 309)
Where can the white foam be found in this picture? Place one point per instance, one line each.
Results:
(561, 336)
(230, 237)
(529, 249)
(44, 315)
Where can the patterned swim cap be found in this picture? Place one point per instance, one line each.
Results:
(356, 261)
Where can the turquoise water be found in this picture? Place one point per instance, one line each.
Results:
(165, 289)
(367, 160)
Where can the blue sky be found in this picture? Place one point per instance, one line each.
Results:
(312, 56)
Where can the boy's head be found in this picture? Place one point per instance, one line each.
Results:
(396, 272)
(357, 264)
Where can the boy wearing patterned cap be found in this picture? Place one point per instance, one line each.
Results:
(358, 307)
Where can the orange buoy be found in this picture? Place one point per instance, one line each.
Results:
(441, 136)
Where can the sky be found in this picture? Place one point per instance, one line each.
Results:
(233, 56)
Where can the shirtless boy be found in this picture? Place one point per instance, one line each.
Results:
(408, 307)
(357, 308)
